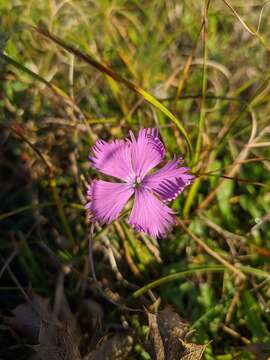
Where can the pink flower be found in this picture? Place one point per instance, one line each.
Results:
(130, 161)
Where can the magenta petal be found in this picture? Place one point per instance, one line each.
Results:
(169, 181)
(150, 215)
(147, 151)
(112, 158)
(106, 200)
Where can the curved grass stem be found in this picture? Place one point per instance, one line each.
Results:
(195, 270)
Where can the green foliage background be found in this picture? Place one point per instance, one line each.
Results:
(53, 106)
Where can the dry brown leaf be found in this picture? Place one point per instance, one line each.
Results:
(27, 317)
(56, 342)
(167, 337)
(158, 352)
(173, 329)
(56, 339)
(117, 348)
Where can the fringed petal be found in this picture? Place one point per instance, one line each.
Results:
(112, 158)
(106, 200)
(169, 181)
(150, 215)
(147, 151)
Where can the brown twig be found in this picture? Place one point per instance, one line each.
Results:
(235, 334)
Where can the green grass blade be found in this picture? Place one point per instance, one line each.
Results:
(24, 69)
(172, 277)
(22, 209)
(7, 59)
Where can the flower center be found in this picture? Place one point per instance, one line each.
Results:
(137, 181)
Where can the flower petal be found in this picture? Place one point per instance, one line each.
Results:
(169, 181)
(112, 158)
(147, 151)
(149, 214)
(106, 200)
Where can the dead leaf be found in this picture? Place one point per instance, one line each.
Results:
(167, 337)
(27, 317)
(158, 352)
(56, 342)
(116, 348)
(172, 328)
(56, 338)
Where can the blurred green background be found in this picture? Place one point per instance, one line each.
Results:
(208, 65)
